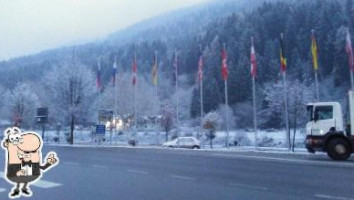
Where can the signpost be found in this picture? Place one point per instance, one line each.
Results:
(42, 118)
(104, 116)
(100, 132)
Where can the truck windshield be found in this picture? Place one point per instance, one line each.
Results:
(309, 112)
(324, 112)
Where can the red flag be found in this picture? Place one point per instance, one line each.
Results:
(200, 68)
(134, 68)
(253, 61)
(350, 52)
(224, 70)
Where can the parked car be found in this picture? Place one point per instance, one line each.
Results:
(183, 142)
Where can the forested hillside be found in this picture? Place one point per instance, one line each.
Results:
(208, 26)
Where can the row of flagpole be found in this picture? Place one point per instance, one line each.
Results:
(224, 72)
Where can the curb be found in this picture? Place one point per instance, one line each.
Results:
(272, 150)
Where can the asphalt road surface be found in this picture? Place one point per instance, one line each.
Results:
(136, 173)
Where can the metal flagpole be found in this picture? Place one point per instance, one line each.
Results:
(115, 99)
(254, 111)
(155, 102)
(135, 109)
(226, 107)
(351, 79)
(98, 94)
(316, 84)
(286, 111)
(227, 117)
(156, 114)
(283, 70)
(253, 73)
(177, 93)
(350, 58)
(201, 92)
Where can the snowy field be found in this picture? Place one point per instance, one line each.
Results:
(241, 138)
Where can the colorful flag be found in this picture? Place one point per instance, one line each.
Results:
(350, 52)
(114, 71)
(200, 68)
(253, 61)
(98, 80)
(134, 68)
(154, 71)
(282, 55)
(224, 70)
(314, 52)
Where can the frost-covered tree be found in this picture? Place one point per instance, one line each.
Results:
(298, 95)
(71, 86)
(211, 122)
(243, 115)
(184, 98)
(230, 114)
(195, 103)
(20, 105)
(2, 99)
(168, 114)
(145, 96)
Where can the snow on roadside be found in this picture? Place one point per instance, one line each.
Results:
(244, 139)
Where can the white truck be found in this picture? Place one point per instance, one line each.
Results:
(326, 131)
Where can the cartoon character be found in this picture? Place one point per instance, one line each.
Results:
(23, 162)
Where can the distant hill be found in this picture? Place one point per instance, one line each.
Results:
(211, 24)
(166, 28)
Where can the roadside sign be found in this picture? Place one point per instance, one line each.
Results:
(42, 115)
(100, 129)
(105, 115)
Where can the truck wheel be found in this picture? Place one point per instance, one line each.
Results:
(338, 149)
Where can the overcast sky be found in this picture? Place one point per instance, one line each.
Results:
(30, 26)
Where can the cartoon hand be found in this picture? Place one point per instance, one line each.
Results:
(21, 173)
(51, 159)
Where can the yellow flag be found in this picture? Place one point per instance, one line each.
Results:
(314, 53)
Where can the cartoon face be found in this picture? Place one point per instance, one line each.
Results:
(30, 148)
(22, 146)
(14, 135)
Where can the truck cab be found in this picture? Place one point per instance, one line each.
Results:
(325, 130)
(324, 117)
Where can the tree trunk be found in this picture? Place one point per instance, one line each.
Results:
(72, 126)
(166, 135)
(294, 134)
(211, 140)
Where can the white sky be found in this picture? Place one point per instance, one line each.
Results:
(30, 26)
